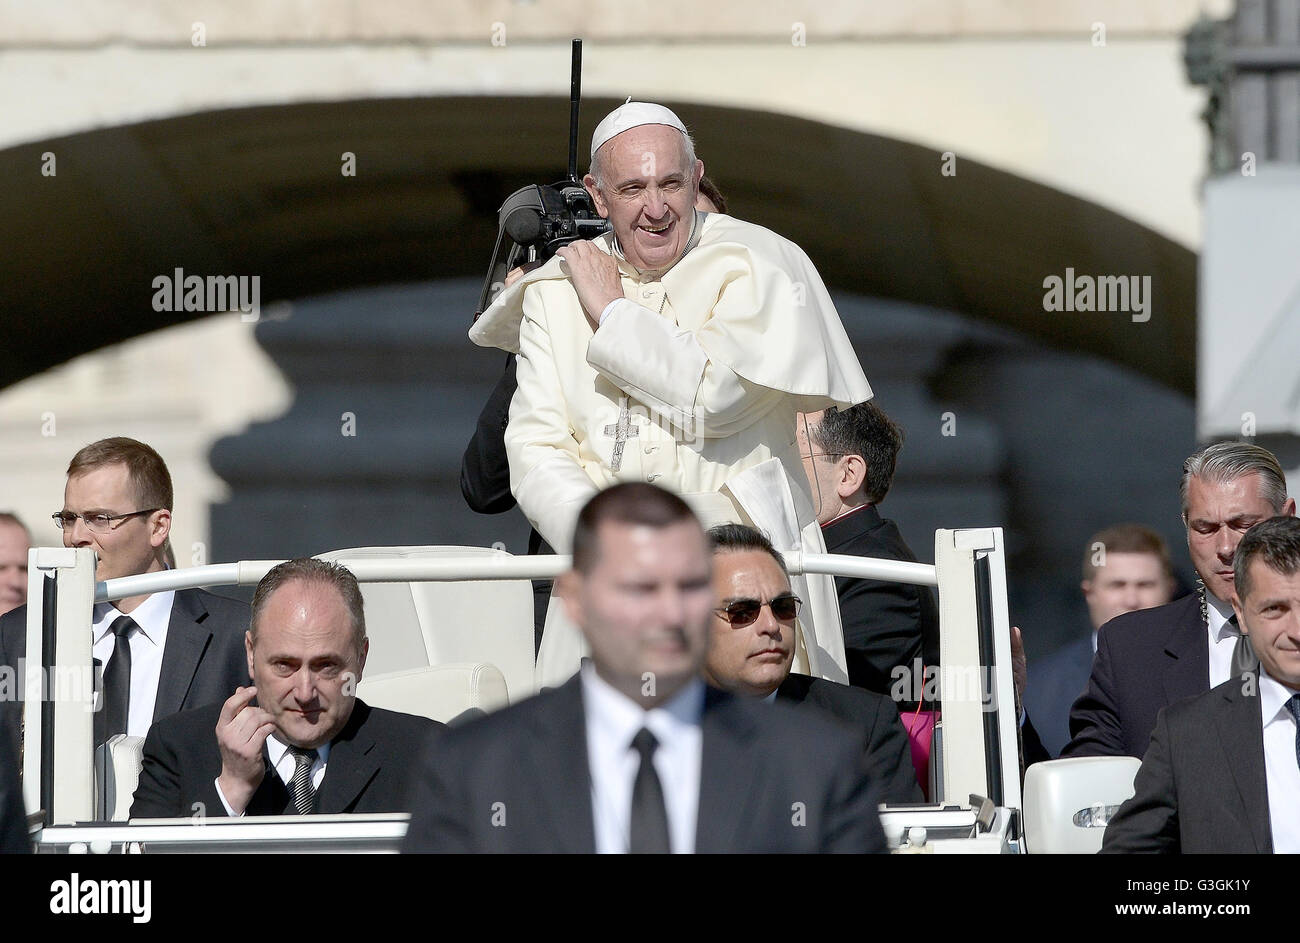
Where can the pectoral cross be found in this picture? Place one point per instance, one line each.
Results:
(621, 431)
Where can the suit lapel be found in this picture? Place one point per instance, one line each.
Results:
(1188, 646)
(1240, 728)
(352, 764)
(186, 641)
(563, 771)
(728, 762)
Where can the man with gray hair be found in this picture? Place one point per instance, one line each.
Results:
(298, 739)
(1220, 776)
(675, 349)
(1151, 658)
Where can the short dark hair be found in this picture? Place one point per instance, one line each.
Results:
(633, 502)
(1127, 538)
(866, 431)
(149, 476)
(1276, 541)
(710, 191)
(312, 570)
(738, 538)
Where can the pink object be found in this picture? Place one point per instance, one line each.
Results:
(920, 732)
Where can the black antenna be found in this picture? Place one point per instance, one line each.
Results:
(575, 96)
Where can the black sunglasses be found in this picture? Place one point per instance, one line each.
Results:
(744, 611)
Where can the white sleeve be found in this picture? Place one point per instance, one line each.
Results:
(222, 796)
(659, 364)
(545, 474)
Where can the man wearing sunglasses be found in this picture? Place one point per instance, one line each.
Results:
(754, 634)
(635, 753)
(160, 653)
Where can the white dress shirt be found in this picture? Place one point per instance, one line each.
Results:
(1222, 638)
(147, 643)
(612, 720)
(1280, 765)
(284, 763)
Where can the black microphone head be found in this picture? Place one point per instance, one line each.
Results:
(523, 225)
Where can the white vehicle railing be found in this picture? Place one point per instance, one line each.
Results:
(975, 752)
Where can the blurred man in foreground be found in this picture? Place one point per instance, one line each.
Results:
(635, 753)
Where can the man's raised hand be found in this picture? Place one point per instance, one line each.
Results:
(242, 729)
(595, 277)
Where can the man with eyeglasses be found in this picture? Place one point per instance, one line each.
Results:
(754, 635)
(162, 652)
(849, 456)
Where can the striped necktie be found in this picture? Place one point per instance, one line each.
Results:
(301, 790)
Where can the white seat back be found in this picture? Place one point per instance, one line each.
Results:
(442, 692)
(119, 774)
(1068, 802)
(414, 625)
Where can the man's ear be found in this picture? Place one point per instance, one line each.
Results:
(852, 475)
(248, 651)
(1239, 609)
(1288, 509)
(1086, 586)
(590, 183)
(160, 526)
(568, 587)
(699, 173)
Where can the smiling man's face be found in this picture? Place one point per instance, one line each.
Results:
(306, 663)
(648, 194)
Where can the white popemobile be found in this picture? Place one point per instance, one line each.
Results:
(451, 631)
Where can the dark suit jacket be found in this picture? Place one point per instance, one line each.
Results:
(1055, 683)
(885, 624)
(13, 815)
(1145, 660)
(1202, 788)
(888, 751)
(525, 768)
(367, 770)
(203, 658)
(485, 479)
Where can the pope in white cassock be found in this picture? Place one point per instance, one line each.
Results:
(675, 350)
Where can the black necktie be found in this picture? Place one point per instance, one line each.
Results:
(300, 787)
(1293, 705)
(117, 682)
(648, 834)
(1244, 661)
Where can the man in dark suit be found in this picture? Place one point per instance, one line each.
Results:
(1222, 772)
(1125, 568)
(636, 753)
(298, 740)
(1149, 659)
(753, 646)
(161, 653)
(850, 456)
